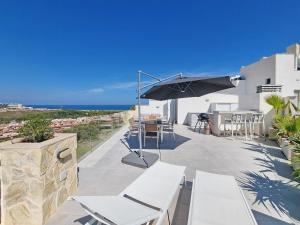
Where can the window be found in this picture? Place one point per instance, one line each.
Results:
(268, 81)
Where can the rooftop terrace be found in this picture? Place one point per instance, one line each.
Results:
(258, 166)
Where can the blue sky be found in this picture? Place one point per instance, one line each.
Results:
(88, 52)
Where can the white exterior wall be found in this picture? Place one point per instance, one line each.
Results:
(204, 103)
(154, 107)
(164, 108)
(201, 104)
(257, 73)
(286, 74)
(281, 68)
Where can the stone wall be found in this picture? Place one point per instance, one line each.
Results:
(34, 181)
(125, 115)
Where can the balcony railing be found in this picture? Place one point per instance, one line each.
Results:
(268, 88)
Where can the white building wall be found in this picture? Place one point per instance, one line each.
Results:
(286, 74)
(205, 103)
(201, 104)
(281, 69)
(166, 108)
(257, 73)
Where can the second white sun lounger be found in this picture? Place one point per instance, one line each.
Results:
(147, 199)
(217, 199)
(157, 186)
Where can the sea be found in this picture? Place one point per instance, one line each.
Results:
(82, 107)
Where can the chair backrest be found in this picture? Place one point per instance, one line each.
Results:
(157, 186)
(151, 127)
(257, 117)
(164, 118)
(131, 121)
(153, 117)
(238, 118)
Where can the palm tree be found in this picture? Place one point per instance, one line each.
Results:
(276, 102)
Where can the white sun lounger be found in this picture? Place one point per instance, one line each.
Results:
(147, 199)
(218, 200)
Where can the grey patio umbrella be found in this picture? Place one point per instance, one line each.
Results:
(185, 87)
(173, 87)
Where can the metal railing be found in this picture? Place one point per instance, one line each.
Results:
(268, 88)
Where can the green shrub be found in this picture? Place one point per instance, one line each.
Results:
(36, 130)
(276, 102)
(295, 140)
(6, 117)
(85, 132)
(287, 125)
(283, 124)
(296, 175)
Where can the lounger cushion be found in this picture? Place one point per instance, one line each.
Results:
(157, 185)
(218, 200)
(118, 209)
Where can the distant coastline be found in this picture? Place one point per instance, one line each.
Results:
(82, 107)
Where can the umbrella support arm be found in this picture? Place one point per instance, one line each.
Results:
(139, 88)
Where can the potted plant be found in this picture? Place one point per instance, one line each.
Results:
(36, 130)
(296, 151)
(282, 124)
(296, 175)
(40, 169)
(287, 127)
(277, 104)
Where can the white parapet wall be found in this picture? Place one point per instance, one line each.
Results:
(219, 101)
(202, 104)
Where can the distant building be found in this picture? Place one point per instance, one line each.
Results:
(14, 106)
(3, 105)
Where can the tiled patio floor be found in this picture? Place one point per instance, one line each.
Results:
(260, 169)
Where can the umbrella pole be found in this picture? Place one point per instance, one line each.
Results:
(139, 113)
(146, 159)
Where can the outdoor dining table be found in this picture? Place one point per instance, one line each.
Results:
(160, 123)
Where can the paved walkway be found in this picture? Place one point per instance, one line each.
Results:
(260, 169)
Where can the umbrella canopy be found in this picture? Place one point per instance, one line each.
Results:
(185, 87)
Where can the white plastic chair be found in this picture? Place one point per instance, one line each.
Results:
(257, 119)
(133, 127)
